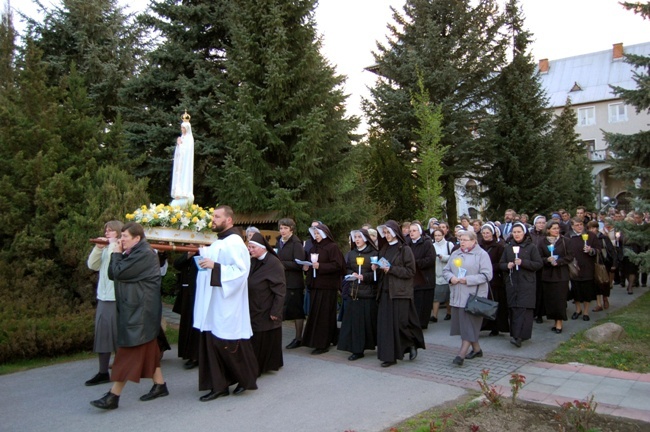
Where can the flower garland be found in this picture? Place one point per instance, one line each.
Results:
(193, 218)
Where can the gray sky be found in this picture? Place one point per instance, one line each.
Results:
(561, 28)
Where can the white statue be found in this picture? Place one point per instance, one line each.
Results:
(183, 171)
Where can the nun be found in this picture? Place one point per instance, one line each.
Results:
(398, 327)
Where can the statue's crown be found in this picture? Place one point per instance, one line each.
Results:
(186, 117)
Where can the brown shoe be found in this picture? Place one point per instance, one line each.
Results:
(597, 309)
(606, 302)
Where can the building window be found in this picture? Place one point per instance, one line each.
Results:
(617, 112)
(586, 116)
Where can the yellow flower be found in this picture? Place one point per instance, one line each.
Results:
(173, 220)
(211, 209)
(144, 207)
(194, 207)
(130, 216)
(195, 219)
(188, 214)
(145, 220)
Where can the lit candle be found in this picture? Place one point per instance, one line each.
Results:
(458, 262)
(314, 260)
(374, 260)
(360, 263)
(515, 249)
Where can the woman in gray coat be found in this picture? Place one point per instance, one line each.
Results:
(468, 271)
(520, 262)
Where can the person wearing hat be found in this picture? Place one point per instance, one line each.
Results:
(520, 262)
(398, 327)
(266, 291)
(359, 326)
(424, 281)
(493, 245)
(538, 234)
(324, 279)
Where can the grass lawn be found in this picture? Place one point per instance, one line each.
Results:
(630, 353)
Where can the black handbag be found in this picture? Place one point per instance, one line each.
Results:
(481, 306)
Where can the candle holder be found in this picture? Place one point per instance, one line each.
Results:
(360, 261)
(314, 260)
(516, 249)
(585, 237)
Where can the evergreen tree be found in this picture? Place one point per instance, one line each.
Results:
(457, 46)
(429, 168)
(571, 180)
(514, 155)
(184, 71)
(632, 161)
(96, 36)
(285, 126)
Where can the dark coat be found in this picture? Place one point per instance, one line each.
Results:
(331, 266)
(266, 290)
(291, 251)
(425, 263)
(521, 284)
(495, 250)
(402, 270)
(559, 272)
(609, 253)
(367, 288)
(586, 262)
(137, 294)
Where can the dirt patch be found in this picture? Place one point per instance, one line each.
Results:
(465, 415)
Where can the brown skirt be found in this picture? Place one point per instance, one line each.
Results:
(133, 363)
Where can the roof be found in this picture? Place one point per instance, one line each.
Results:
(593, 73)
(256, 218)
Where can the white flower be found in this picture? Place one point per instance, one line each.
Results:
(185, 222)
(200, 225)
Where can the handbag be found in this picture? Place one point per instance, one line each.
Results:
(481, 306)
(574, 269)
(601, 275)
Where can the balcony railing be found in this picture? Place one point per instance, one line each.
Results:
(599, 155)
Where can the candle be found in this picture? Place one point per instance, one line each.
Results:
(458, 262)
(360, 261)
(374, 260)
(585, 237)
(515, 249)
(314, 259)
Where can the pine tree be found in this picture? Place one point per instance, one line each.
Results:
(632, 161)
(457, 46)
(572, 182)
(515, 161)
(96, 36)
(285, 126)
(429, 168)
(184, 71)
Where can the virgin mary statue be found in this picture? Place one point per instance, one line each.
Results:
(183, 171)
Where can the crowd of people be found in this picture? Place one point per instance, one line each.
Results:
(385, 290)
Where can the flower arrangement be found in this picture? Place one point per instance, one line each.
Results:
(193, 218)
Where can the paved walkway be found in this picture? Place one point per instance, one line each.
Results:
(323, 393)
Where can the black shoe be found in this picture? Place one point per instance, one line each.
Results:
(447, 317)
(458, 361)
(100, 378)
(539, 320)
(473, 354)
(213, 395)
(109, 401)
(576, 315)
(557, 330)
(494, 333)
(586, 318)
(433, 319)
(516, 342)
(319, 351)
(239, 390)
(354, 357)
(191, 364)
(294, 344)
(388, 364)
(158, 390)
(413, 353)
